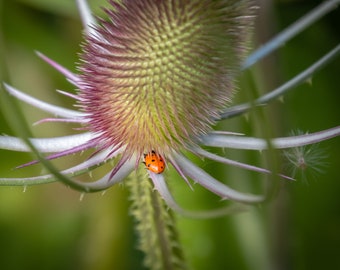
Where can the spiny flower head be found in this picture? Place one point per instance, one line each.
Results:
(156, 74)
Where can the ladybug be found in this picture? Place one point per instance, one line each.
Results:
(154, 162)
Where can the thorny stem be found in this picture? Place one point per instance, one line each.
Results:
(159, 226)
(156, 226)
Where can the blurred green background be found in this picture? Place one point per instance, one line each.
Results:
(54, 227)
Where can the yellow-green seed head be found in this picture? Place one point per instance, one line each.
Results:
(157, 73)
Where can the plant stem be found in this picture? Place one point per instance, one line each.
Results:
(155, 225)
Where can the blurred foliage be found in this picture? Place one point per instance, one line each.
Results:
(54, 227)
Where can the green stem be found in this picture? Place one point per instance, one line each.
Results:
(155, 225)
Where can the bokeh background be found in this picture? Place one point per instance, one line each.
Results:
(54, 227)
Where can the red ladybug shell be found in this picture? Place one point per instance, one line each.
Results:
(154, 162)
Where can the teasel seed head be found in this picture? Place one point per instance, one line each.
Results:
(156, 74)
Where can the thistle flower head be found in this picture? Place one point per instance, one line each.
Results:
(156, 74)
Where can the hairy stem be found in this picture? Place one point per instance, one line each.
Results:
(155, 225)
